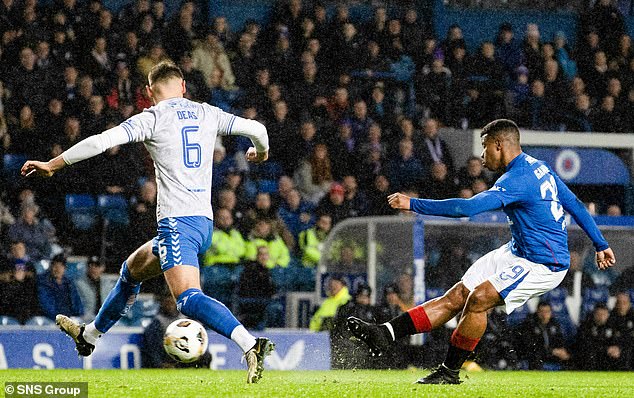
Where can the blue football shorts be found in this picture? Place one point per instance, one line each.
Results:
(180, 240)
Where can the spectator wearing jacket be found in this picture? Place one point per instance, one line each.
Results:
(58, 294)
(227, 246)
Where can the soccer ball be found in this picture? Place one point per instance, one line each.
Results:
(185, 340)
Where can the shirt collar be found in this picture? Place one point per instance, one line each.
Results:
(515, 161)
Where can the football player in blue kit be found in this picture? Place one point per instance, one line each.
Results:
(534, 262)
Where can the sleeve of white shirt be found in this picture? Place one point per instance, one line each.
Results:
(138, 128)
(229, 124)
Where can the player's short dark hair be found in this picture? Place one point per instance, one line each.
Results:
(164, 71)
(502, 128)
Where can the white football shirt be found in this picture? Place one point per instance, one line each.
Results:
(180, 135)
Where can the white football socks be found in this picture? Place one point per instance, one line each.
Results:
(91, 334)
(243, 338)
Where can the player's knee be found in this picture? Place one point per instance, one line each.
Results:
(480, 300)
(456, 297)
(186, 302)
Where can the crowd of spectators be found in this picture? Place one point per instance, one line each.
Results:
(362, 101)
(354, 111)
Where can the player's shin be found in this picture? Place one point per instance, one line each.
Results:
(214, 315)
(408, 323)
(117, 303)
(460, 348)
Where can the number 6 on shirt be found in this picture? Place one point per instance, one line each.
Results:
(191, 150)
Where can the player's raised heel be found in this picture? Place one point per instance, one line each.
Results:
(75, 331)
(441, 375)
(369, 333)
(255, 358)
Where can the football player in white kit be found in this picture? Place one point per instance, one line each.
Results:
(180, 136)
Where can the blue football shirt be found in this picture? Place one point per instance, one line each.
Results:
(534, 199)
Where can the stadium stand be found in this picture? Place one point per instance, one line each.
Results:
(67, 73)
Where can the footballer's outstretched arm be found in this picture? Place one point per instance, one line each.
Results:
(85, 149)
(229, 124)
(605, 256)
(484, 201)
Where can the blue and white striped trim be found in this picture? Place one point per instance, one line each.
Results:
(512, 287)
(177, 257)
(127, 130)
(233, 119)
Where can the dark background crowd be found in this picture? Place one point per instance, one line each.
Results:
(354, 110)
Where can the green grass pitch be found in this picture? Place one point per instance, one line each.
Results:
(335, 384)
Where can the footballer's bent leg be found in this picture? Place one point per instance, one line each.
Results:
(420, 319)
(465, 338)
(184, 283)
(140, 265)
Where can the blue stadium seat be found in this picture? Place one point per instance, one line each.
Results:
(303, 279)
(39, 321)
(82, 211)
(560, 313)
(282, 278)
(591, 297)
(266, 170)
(7, 320)
(135, 322)
(134, 313)
(75, 269)
(218, 281)
(516, 317)
(114, 209)
(267, 186)
(275, 313)
(557, 295)
(12, 165)
(148, 307)
(41, 266)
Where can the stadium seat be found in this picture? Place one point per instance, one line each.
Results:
(39, 321)
(557, 295)
(145, 322)
(266, 170)
(218, 281)
(516, 317)
(282, 278)
(560, 313)
(136, 322)
(75, 269)
(82, 211)
(274, 316)
(41, 266)
(303, 279)
(591, 297)
(7, 320)
(113, 209)
(266, 186)
(148, 307)
(11, 169)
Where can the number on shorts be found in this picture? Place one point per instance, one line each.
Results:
(515, 272)
(162, 251)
